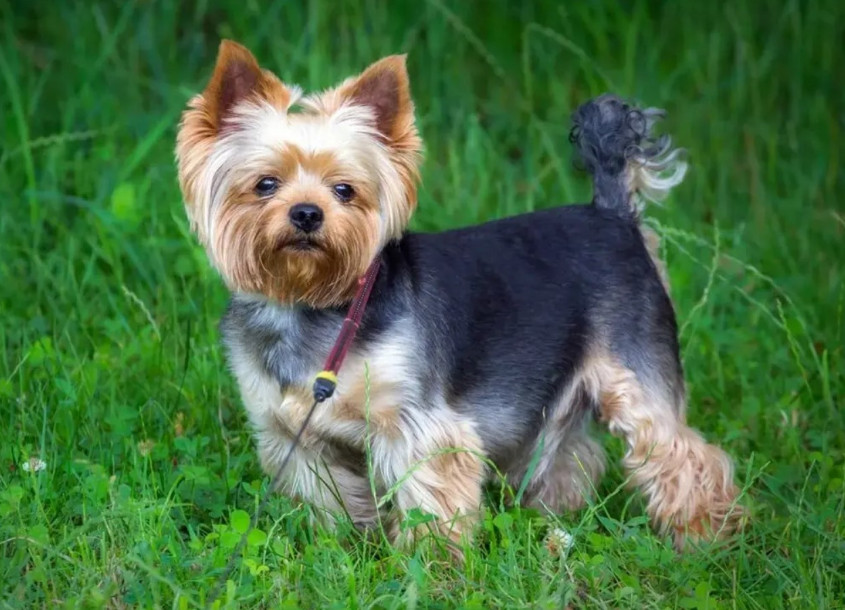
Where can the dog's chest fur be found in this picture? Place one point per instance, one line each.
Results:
(275, 353)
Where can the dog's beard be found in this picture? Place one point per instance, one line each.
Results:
(295, 268)
(304, 270)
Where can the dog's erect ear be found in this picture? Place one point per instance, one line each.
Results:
(384, 88)
(237, 77)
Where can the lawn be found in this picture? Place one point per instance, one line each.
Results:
(127, 472)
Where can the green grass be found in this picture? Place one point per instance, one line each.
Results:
(110, 369)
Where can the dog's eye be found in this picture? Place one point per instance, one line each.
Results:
(267, 186)
(343, 192)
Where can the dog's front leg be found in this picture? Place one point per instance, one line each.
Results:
(432, 462)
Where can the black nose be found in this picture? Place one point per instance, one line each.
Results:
(306, 217)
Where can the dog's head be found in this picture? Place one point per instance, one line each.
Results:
(295, 203)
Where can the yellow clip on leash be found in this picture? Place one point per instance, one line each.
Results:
(324, 385)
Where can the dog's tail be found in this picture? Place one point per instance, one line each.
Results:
(628, 164)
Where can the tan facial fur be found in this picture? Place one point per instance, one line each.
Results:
(245, 127)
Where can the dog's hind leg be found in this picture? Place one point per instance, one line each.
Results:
(565, 463)
(688, 483)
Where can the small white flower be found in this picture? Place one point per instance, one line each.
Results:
(34, 464)
(559, 541)
(145, 447)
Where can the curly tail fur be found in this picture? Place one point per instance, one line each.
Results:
(628, 164)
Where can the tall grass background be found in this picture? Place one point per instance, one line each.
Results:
(110, 370)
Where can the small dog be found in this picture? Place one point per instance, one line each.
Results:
(486, 349)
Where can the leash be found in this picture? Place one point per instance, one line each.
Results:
(326, 380)
(324, 386)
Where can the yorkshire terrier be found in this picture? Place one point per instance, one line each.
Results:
(483, 351)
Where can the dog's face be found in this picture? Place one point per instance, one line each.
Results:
(294, 204)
